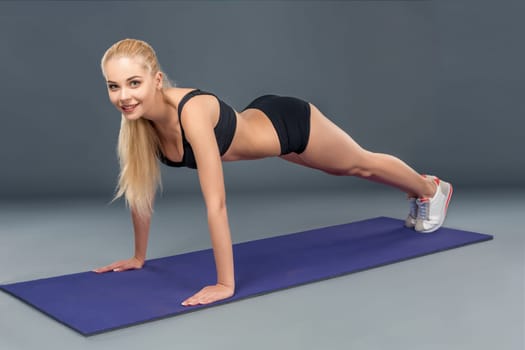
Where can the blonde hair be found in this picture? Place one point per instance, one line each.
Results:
(138, 142)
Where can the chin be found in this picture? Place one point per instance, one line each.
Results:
(132, 116)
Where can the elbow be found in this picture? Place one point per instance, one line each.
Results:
(216, 207)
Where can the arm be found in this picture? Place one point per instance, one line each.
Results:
(141, 228)
(199, 131)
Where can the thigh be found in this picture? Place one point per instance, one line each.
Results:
(329, 148)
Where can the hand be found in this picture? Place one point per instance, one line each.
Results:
(209, 295)
(122, 265)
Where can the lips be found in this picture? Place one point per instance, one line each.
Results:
(128, 108)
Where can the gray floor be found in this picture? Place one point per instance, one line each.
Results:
(466, 298)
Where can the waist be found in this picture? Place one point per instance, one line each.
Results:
(226, 127)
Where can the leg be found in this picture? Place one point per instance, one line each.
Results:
(333, 151)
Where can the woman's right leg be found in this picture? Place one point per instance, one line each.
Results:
(333, 151)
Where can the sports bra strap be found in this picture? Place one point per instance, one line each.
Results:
(190, 95)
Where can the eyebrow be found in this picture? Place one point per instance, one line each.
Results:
(133, 77)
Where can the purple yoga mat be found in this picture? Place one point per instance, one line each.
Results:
(92, 303)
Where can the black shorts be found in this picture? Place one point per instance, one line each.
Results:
(290, 117)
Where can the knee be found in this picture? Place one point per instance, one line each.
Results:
(360, 172)
(363, 166)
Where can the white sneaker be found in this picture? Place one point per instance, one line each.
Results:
(410, 221)
(431, 212)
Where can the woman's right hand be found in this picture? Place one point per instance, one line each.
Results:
(122, 265)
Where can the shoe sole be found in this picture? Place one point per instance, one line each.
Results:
(410, 224)
(444, 214)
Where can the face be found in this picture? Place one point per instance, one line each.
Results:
(131, 88)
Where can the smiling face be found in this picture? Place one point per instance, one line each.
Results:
(131, 87)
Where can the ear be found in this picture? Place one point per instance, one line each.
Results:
(158, 80)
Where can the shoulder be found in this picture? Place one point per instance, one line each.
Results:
(175, 96)
(203, 108)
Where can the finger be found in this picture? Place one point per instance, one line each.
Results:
(189, 302)
(120, 268)
(204, 301)
(124, 267)
(104, 269)
(192, 301)
(210, 298)
(206, 298)
(115, 267)
(195, 298)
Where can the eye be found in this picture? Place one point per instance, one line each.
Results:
(110, 86)
(135, 81)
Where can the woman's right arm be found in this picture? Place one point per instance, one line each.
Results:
(141, 226)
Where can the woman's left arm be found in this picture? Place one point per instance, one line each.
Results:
(199, 131)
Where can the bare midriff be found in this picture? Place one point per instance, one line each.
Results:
(255, 137)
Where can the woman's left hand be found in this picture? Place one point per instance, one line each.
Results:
(209, 295)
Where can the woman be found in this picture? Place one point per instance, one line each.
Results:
(193, 128)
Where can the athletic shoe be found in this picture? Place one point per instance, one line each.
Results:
(431, 212)
(410, 221)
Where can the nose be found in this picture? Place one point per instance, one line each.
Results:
(124, 95)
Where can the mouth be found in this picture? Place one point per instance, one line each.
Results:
(129, 108)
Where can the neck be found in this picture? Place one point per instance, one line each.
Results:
(163, 115)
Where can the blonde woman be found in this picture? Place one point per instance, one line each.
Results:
(193, 128)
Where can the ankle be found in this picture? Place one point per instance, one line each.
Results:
(430, 189)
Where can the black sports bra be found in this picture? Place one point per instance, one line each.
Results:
(224, 131)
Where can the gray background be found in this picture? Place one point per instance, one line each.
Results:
(437, 83)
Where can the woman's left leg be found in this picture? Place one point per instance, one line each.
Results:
(332, 150)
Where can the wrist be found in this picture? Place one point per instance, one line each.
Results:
(227, 285)
(140, 259)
